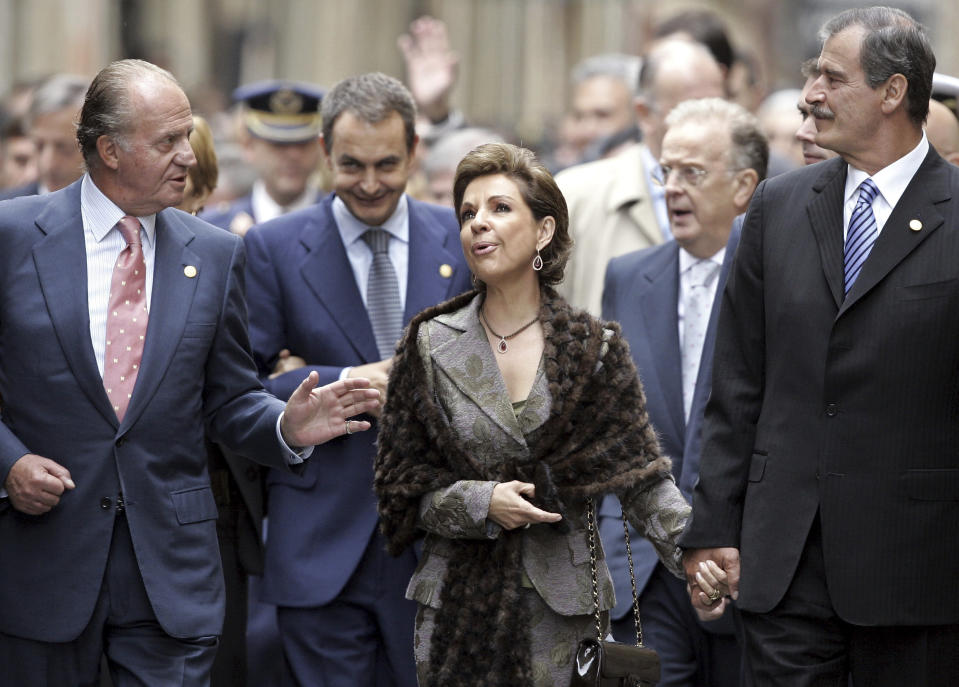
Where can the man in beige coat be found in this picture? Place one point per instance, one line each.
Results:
(613, 206)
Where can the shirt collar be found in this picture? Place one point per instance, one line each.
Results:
(687, 259)
(351, 229)
(891, 180)
(265, 208)
(100, 214)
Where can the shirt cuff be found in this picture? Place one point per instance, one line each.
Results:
(344, 373)
(293, 456)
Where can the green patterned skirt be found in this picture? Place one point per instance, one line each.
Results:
(554, 639)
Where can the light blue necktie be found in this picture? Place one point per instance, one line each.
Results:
(383, 294)
(862, 233)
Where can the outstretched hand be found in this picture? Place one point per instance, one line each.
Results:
(712, 575)
(315, 415)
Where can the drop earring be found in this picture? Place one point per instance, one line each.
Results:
(537, 261)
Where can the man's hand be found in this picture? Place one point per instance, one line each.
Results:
(316, 415)
(286, 362)
(35, 484)
(378, 374)
(431, 66)
(509, 510)
(711, 575)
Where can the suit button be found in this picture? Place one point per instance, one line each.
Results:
(831, 409)
(106, 503)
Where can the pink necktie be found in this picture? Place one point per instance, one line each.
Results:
(126, 319)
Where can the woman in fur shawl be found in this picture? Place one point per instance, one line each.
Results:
(507, 411)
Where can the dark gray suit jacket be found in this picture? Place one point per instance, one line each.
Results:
(848, 407)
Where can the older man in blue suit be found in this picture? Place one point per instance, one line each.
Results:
(122, 341)
(713, 156)
(331, 287)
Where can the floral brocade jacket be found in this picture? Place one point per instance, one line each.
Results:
(466, 381)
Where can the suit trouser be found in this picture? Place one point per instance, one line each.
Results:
(364, 636)
(803, 643)
(690, 655)
(123, 628)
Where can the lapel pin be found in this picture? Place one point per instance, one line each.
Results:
(446, 271)
(189, 271)
(915, 224)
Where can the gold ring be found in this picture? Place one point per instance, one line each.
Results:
(715, 596)
(348, 430)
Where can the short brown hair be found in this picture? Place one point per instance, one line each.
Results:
(538, 189)
(203, 175)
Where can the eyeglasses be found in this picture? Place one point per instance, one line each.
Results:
(689, 175)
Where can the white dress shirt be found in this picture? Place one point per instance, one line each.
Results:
(265, 208)
(891, 181)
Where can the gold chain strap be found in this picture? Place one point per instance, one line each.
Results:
(591, 530)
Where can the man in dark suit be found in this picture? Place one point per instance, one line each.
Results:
(831, 447)
(122, 342)
(316, 291)
(281, 143)
(713, 156)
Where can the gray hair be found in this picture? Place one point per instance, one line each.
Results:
(58, 92)
(447, 152)
(108, 109)
(750, 149)
(619, 66)
(894, 43)
(371, 97)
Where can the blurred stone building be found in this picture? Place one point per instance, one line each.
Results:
(515, 54)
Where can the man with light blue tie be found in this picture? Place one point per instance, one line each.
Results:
(330, 289)
(713, 155)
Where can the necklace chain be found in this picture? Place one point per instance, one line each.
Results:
(502, 346)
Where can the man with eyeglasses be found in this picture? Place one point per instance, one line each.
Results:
(614, 207)
(713, 156)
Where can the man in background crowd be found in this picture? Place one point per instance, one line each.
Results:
(614, 207)
(281, 128)
(52, 125)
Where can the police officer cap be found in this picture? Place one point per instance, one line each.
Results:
(281, 111)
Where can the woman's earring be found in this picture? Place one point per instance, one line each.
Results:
(538, 261)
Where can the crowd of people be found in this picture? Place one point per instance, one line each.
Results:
(690, 368)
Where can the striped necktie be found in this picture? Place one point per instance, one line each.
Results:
(383, 294)
(862, 233)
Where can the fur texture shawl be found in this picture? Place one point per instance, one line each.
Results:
(596, 440)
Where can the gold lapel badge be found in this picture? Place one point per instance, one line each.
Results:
(446, 271)
(915, 225)
(189, 271)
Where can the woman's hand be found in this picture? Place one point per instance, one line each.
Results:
(510, 510)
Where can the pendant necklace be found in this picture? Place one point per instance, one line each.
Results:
(502, 346)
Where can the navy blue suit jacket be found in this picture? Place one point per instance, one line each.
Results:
(197, 375)
(642, 293)
(303, 297)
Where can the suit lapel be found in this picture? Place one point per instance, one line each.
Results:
(326, 269)
(658, 288)
(896, 240)
(825, 217)
(467, 360)
(62, 272)
(432, 263)
(170, 303)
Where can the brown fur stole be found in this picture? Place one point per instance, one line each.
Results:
(596, 440)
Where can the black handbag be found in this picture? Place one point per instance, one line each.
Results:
(602, 663)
